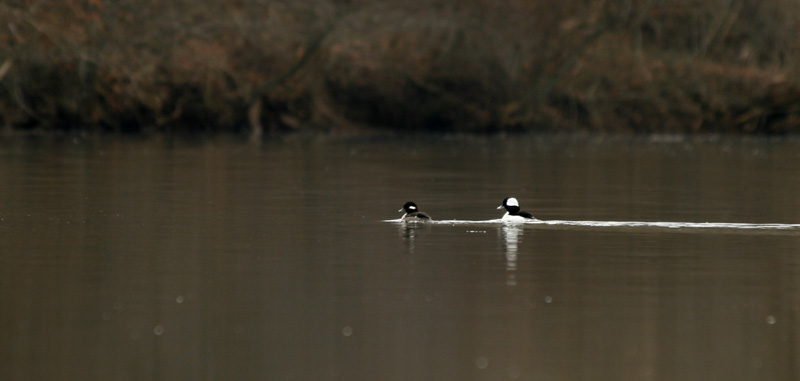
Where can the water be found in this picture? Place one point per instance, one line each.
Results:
(217, 259)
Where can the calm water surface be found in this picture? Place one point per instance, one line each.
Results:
(162, 259)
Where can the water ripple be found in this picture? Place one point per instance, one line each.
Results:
(643, 225)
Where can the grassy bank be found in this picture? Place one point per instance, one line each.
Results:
(269, 66)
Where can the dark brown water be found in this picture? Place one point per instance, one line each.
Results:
(225, 260)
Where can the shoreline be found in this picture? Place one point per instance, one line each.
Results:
(270, 69)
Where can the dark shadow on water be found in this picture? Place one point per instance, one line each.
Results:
(410, 231)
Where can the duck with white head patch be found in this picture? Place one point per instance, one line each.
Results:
(412, 213)
(513, 212)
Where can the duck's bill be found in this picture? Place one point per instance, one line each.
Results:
(400, 210)
(500, 207)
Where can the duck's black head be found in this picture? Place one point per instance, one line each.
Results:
(409, 207)
(511, 204)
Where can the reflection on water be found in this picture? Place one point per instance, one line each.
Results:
(169, 259)
(511, 237)
(410, 230)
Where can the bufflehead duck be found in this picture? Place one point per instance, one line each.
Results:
(513, 213)
(412, 213)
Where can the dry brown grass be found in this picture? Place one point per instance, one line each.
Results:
(477, 65)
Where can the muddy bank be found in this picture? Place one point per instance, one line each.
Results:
(260, 67)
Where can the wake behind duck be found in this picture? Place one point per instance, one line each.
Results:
(514, 216)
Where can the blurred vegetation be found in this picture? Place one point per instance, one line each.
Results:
(260, 66)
